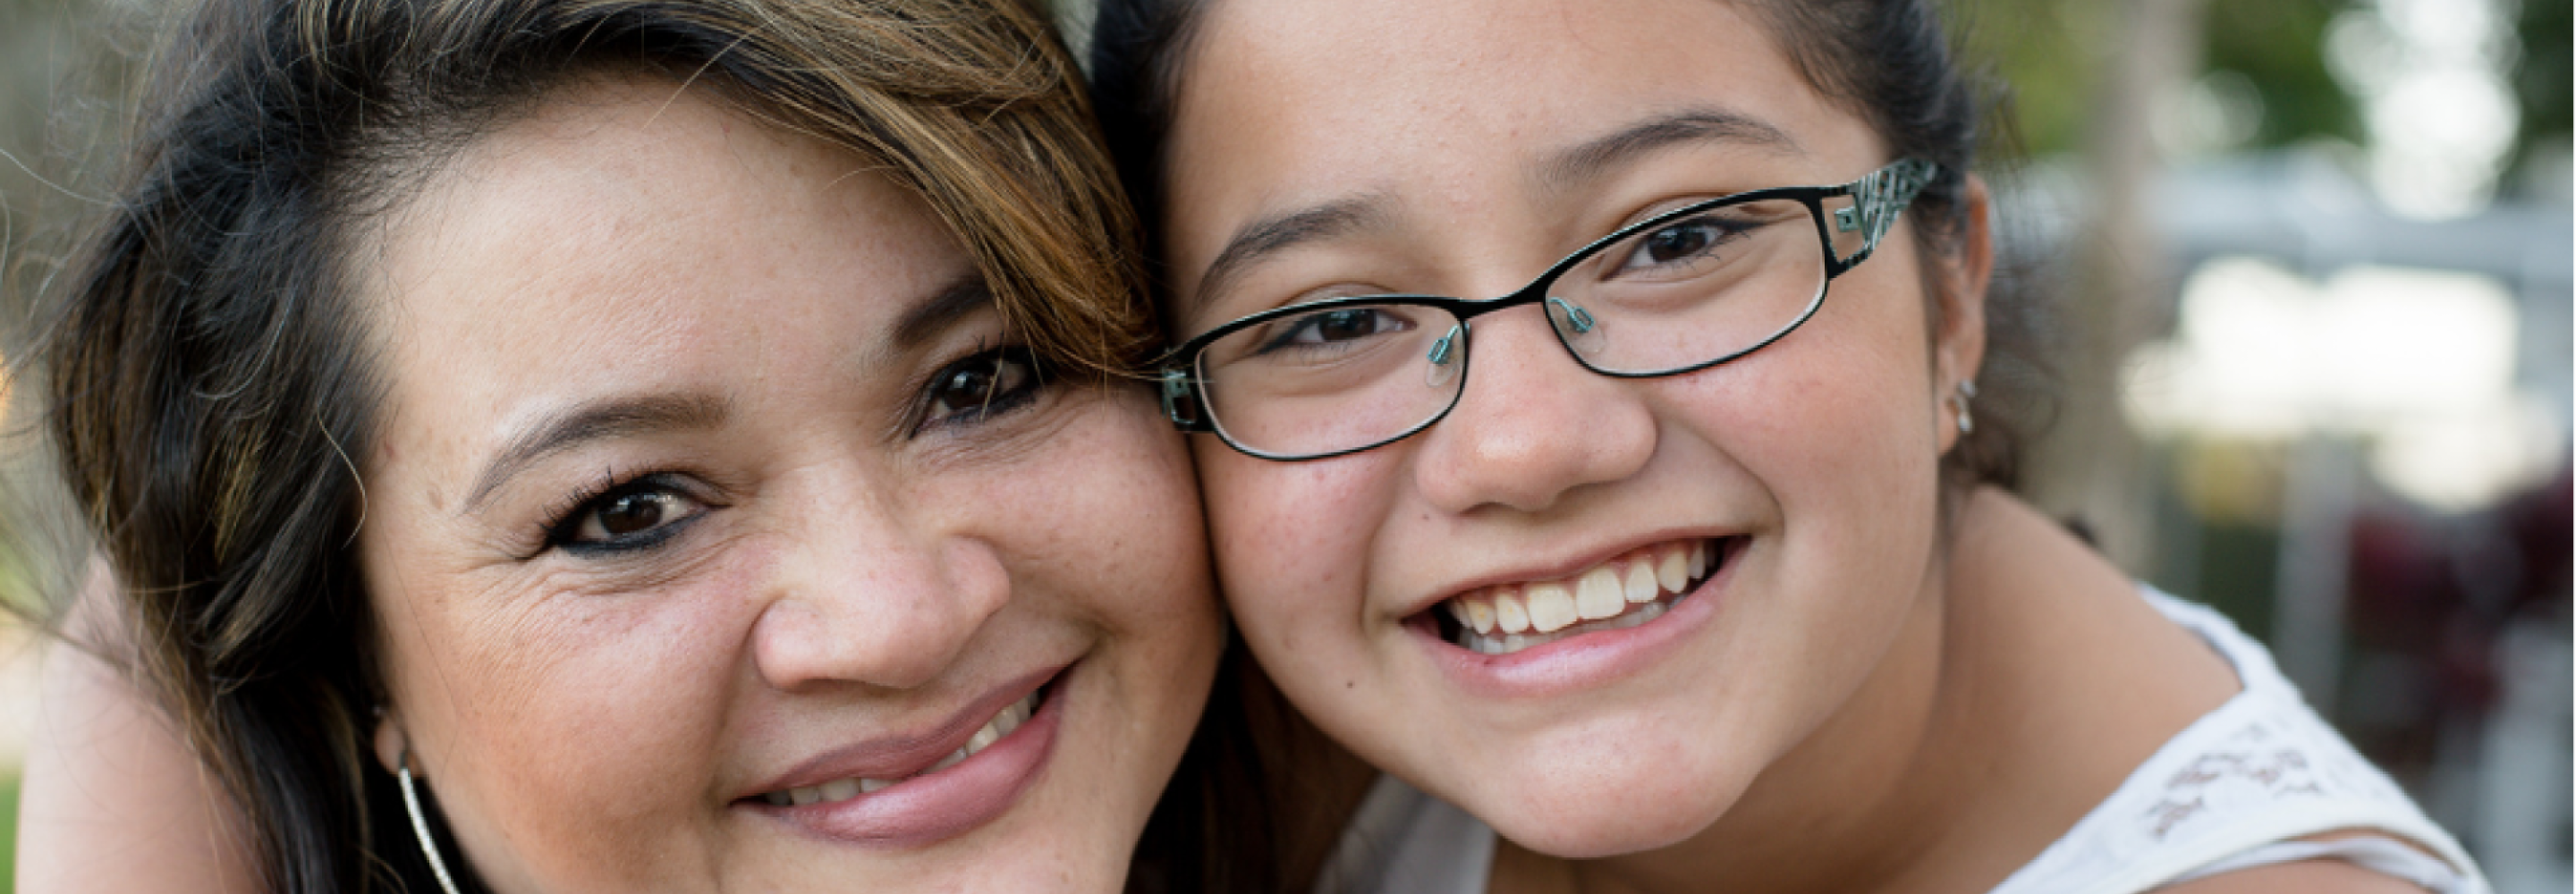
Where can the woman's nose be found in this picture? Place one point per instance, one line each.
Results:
(1532, 425)
(865, 595)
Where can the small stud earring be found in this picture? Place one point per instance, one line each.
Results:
(1967, 392)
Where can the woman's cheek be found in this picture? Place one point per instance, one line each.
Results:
(498, 683)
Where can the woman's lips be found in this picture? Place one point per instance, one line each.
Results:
(952, 795)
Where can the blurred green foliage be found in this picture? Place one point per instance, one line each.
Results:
(8, 834)
(2279, 47)
(2542, 84)
(2045, 54)
(2052, 53)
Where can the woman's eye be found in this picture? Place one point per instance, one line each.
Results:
(981, 385)
(631, 517)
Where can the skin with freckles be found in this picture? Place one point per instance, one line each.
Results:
(1881, 690)
(700, 476)
(1542, 466)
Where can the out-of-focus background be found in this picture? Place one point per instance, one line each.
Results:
(2310, 262)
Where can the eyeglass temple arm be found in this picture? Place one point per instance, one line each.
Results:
(1181, 402)
(1877, 197)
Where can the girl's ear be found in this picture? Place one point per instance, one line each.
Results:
(1959, 348)
(390, 742)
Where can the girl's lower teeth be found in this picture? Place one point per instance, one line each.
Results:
(1505, 644)
(844, 789)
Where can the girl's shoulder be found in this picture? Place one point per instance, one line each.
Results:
(2258, 790)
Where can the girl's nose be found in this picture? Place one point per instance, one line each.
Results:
(1532, 426)
(865, 595)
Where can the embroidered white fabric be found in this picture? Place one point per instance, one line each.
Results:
(2235, 790)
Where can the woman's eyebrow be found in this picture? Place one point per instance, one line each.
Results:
(1586, 161)
(595, 421)
(1280, 232)
(923, 320)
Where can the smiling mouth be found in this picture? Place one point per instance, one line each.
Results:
(1002, 723)
(1624, 592)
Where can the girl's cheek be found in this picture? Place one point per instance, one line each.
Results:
(1288, 534)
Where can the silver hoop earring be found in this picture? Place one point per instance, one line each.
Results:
(420, 825)
(1967, 392)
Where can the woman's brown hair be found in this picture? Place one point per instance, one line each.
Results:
(210, 378)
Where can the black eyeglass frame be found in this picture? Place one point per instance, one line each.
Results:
(1878, 197)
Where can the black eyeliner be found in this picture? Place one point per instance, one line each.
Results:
(989, 404)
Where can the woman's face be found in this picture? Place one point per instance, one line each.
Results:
(1459, 148)
(717, 514)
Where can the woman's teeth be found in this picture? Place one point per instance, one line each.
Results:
(1623, 592)
(844, 789)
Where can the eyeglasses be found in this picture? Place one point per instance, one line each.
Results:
(1683, 291)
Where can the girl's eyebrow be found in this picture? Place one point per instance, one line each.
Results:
(1590, 159)
(1567, 169)
(1279, 232)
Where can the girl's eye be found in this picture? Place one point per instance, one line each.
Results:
(634, 516)
(1334, 327)
(981, 386)
(1678, 243)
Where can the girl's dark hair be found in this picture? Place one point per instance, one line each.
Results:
(210, 380)
(1889, 61)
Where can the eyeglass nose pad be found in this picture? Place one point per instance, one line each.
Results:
(1576, 325)
(1572, 318)
(1444, 350)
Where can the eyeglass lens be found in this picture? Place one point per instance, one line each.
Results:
(1706, 286)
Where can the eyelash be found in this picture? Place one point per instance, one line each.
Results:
(565, 519)
(985, 360)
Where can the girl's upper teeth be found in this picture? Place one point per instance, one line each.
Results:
(844, 789)
(1604, 591)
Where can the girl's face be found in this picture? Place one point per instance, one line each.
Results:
(718, 515)
(1458, 147)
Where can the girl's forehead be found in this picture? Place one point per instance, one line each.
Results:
(1344, 89)
(1454, 110)
(1443, 71)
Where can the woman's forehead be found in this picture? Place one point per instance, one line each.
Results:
(630, 202)
(645, 241)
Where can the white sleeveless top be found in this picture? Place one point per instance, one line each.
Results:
(2235, 790)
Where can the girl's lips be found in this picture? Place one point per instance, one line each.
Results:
(942, 803)
(1581, 662)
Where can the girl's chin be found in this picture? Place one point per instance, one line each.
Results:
(1583, 816)
(1593, 834)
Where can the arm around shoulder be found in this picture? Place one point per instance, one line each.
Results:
(113, 798)
(2326, 876)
